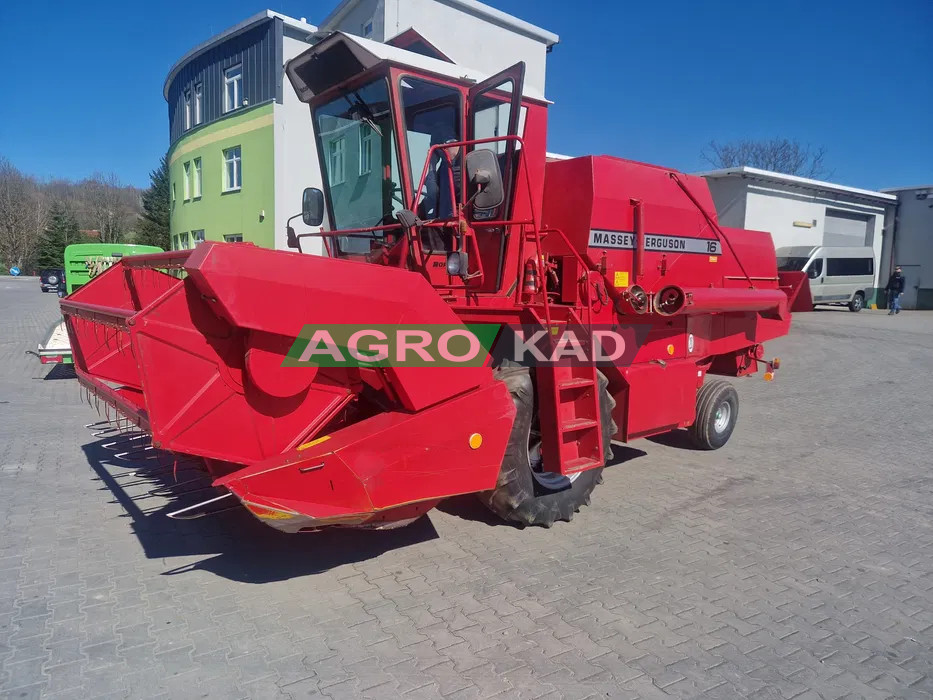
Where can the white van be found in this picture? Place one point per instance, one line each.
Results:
(838, 275)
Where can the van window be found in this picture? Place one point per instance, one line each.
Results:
(816, 269)
(791, 264)
(849, 267)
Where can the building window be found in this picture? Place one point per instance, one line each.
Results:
(198, 236)
(366, 149)
(175, 242)
(234, 238)
(233, 174)
(186, 182)
(173, 193)
(198, 93)
(187, 109)
(368, 29)
(196, 179)
(183, 241)
(337, 151)
(233, 88)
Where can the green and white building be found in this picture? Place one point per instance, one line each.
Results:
(241, 144)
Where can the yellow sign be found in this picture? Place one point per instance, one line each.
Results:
(713, 258)
(620, 279)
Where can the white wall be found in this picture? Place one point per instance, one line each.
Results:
(296, 164)
(366, 11)
(774, 208)
(466, 39)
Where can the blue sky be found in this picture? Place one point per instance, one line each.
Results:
(652, 81)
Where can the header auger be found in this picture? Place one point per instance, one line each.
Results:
(443, 212)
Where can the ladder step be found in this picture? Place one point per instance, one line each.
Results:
(579, 464)
(574, 383)
(578, 424)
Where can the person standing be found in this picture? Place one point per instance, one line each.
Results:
(895, 288)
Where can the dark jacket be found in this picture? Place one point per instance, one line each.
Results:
(896, 284)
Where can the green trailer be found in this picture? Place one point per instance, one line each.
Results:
(83, 262)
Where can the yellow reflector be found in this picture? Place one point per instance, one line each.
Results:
(670, 349)
(318, 441)
(769, 376)
(267, 513)
(476, 441)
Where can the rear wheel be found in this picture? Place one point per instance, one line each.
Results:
(717, 414)
(525, 492)
(857, 303)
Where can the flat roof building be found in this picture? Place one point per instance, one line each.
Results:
(800, 211)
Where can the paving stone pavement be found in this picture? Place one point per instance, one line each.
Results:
(793, 563)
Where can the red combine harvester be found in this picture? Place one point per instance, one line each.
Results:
(452, 215)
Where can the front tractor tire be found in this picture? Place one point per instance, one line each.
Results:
(717, 414)
(524, 492)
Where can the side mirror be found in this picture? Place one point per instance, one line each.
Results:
(482, 169)
(291, 239)
(458, 263)
(312, 206)
(812, 273)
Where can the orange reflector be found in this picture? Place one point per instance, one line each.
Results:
(670, 349)
(769, 376)
(268, 513)
(476, 441)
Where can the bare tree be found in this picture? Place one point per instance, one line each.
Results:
(100, 202)
(22, 216)
(780, 155)
(110, 206)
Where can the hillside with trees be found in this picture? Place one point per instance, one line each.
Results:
(38, 218)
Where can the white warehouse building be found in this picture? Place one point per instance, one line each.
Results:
(799, 211)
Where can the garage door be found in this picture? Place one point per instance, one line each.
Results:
(848, 228)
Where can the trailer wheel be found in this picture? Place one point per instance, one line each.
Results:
(717, 413)
(857, 303)
(525, 493)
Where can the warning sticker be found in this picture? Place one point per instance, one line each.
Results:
(620, 279)
(655, 242)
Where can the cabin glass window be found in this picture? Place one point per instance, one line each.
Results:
(363, 184)
(432, 118)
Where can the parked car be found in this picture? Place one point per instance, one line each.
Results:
(51, 278)
(838, 275)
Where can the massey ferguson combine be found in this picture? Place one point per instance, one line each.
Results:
(443, 213)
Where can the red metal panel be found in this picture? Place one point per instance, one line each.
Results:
(387, 460)
(660, 397)
(279, 293)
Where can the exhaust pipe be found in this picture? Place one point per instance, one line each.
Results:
(673, 300)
